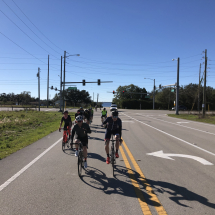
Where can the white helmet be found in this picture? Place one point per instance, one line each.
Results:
(79, 118)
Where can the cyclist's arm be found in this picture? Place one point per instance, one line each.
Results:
(73, 133)
(106, 120)
(88, 129)
(120, 128)
(61, 122)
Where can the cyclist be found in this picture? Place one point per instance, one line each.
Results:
(114, 127)
(80, 131)
(87, 116)
(91, 114)
(95, 107)
(103, 115)
(67, 122)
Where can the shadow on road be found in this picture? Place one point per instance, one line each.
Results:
(179, 193)
(98, 180)
(96, 156)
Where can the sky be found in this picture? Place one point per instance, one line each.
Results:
(123, 41)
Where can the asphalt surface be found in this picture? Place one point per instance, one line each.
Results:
(49, 184)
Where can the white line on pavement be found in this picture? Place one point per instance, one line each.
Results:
(27, 166)
(180, 125)
(172, 136)
(48, 109)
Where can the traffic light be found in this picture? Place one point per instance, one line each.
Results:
(55, 88)
(123, 91)
(99, 81)
(52, 87)
(113, 92)
(160, 86)
(83, 82)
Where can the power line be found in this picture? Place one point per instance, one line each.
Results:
(29, 27)
(25, 33)
(37, 27)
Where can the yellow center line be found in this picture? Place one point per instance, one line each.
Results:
(160, 209)
(141, 199)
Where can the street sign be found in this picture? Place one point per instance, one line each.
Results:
(172, 90)
(147, 97)
(72, 88)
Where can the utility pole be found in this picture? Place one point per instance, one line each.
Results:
(38, 75)
(93, 96)
(97, 98)
(48, 85)
(204, 90)
(64, 77)
(61, 85)
(177, 87)
(199, 88)
(154, 96)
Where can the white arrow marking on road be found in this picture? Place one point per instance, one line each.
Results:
(168, 156)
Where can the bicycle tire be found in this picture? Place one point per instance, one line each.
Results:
(112, 160)
(63, 146)
(80, 164)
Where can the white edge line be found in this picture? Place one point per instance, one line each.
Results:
(173, 136)
(27, 166)
(180, 125)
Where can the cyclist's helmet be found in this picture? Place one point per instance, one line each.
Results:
(104, 109)
(115, 113)
(79, 118)
(66, 111)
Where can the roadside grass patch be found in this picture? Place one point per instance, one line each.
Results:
(196, 117)
(19, 129)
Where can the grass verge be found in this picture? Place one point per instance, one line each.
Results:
(22, 128)
(195, 117)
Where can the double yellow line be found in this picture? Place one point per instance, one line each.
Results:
(144, 206)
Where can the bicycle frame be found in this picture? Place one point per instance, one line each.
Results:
(80, 158)
(113, 159)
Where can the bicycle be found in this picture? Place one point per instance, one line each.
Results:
(80, 159)
(112, 155)
(65, 138)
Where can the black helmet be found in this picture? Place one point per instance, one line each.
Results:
(104, 109)
(66, 111)
(115, 113)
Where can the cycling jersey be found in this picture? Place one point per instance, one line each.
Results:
(66, 121)
(81, 132)
(113, 125)
(104, 113)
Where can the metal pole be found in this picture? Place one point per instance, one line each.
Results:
(39, 86)
(177, 87)
(199, 88)
(48, 85)
(61, 85)
(154, 96)
(64, 77)
(204, 92)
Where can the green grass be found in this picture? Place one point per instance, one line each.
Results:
(20, 128)
(195, 117)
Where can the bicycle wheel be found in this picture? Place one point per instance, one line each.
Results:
(112, 160)
(80, 163)
(63, 146)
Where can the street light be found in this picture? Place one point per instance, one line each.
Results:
(177, 86)
(153, 92)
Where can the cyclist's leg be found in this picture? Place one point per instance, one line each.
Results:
(107, 140)
(77, 141)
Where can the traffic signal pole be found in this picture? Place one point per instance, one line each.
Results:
(177, 87)
(64, 77)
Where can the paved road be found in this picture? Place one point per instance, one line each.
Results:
(183, 183)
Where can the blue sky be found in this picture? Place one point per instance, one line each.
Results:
(118, 40)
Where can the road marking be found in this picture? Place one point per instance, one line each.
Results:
(172, 136)
(48, 109)
(168, 156)
(27, 166)
(158, 206)
(182, 122)
(128, 121)
(181, 125)
(144, 206)
(201, 123)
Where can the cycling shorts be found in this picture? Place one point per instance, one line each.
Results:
(108, 133)
(84, 140)
(103, 116)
